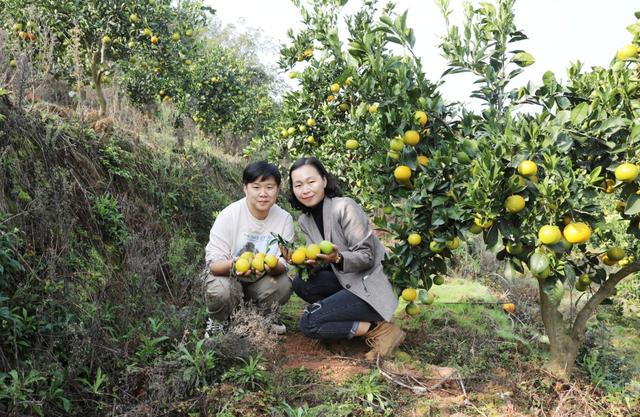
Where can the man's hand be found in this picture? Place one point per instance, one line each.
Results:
(285, 253)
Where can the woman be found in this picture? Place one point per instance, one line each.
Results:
(351, 296)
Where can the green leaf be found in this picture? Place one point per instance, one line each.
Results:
(491, 239)
(563, 102)
(523, 59)
(635, 134)
(613, 124)
(579, 113)
(633, 205)
(634, 28)
(564, 142)
(549, 80)
(554, 288)
(569, 274)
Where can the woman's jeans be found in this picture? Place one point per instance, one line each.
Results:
(334, 313)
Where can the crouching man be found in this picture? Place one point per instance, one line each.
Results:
(247, 226)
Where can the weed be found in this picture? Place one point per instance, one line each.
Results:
(198, 364)
(109, 218)
(9, 258)
(369, 391)
(251, 376)
(149, 348)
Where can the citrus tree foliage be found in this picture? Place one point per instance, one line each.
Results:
(87, 39)
(551, 190)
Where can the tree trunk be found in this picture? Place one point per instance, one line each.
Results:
(564, 343)
(96, 75)
(563, 348)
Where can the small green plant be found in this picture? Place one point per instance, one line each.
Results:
(198, 364)
(369, 391)
(19, 388)
(116, 160)
(155, 325)
(110, 220)
(95, 386)
(149, 348)
(9, 259)
(251, 376)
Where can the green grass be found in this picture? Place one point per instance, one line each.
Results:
(460, 290)
(291, 311)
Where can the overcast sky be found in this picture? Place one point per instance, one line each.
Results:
(559, 31)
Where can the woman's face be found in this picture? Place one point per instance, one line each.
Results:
(308, 185)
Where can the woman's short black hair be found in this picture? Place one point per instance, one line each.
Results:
(332, 189)
(260, 171)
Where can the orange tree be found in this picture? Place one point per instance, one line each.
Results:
(219, 89)
(84, 41)
(539, 187)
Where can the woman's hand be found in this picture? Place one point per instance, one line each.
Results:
(333, 258)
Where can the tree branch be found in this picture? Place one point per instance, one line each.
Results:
(606, 290)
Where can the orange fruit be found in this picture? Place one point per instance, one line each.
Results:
(615, 253)
(409, 294)
(396, 145)
(607, 261)
(550, 234)
(509, 308)
(242, 265)
(298, 256)
(527, 168)
(411, 137)
(271, 261)
(626, 172)
(326, 247)
(313, 251)
(351, 144)
(402, 173)
(421, 117)
(475, 229)
(414, 239)
(627, 52)
(485, 225)
(514, 204)
(454, 243)
(423, 160)
(577, 232)
(258, 262)
(412, 309)
(435, 247)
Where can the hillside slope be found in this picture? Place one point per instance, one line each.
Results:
(101, 239)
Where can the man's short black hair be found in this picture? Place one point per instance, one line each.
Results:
(260, 171)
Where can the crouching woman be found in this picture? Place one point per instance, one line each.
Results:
(350, 295)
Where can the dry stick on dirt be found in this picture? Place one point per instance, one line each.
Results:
(420, 388)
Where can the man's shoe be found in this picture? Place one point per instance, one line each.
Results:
(383, 339)
(278, 327)
(214, 326)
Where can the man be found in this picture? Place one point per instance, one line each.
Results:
(247, 225)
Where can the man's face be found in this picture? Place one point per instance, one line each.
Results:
(261, 196)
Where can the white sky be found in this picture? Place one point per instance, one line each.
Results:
(559, 31)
